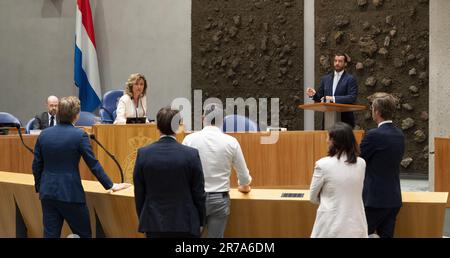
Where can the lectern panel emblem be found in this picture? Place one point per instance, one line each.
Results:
(134, 144)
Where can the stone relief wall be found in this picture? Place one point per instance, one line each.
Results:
(250, 49)
(387, 44)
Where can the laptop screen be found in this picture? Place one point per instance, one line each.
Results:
(136, 120)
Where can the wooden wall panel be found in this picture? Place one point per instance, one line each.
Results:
(123, 141)
(15, 158)
(442, 165)
(287, 163)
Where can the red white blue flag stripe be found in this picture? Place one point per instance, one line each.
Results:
(86, 74)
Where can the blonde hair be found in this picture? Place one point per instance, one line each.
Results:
(131, 81)
(385, 104)
(68, 109)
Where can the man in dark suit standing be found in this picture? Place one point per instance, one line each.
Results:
(383, 150)
(338, 87)
(169, 184)
(57, 155)
(48, 118)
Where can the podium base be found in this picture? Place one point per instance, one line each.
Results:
(331, 118)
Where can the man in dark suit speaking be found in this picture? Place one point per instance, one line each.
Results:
(338, 87)
(382, 148)
(169, 187)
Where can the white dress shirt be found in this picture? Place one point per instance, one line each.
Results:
(170, 136)
(50, 119)
(385, 122)
(127, 108)
(218, 153)
(336, 78)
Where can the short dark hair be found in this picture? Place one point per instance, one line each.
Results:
(341, 54)
(385, 104)
(213, 115)
(68, 109)
(168, 120)
(343, 142)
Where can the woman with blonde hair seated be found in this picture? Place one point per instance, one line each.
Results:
(133, 103)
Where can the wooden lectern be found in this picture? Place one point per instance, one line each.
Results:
(332, 111)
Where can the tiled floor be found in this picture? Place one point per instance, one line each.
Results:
(413, 185)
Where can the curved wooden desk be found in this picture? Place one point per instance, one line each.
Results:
(261, 213)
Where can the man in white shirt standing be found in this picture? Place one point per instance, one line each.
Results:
(337, 87)
(219, 152)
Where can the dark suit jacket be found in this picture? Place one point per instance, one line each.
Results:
(383, 150)
(57, 155)
(41, 121)
(169, 188)
(346, 93)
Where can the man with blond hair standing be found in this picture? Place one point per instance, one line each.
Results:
(382, 148)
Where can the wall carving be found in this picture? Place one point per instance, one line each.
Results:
(250, 48)
(387, 42)
(254, 48)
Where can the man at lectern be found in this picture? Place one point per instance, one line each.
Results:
(338, 87)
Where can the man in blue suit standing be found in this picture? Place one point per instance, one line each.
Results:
(169, 187)
(383, 150)
(57, 155)
(338, 87)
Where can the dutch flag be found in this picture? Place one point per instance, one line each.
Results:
(86, 74)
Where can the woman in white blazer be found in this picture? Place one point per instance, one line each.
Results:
(337, 186)
(133, 103)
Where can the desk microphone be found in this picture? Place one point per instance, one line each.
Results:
(92, 136)
(21, 139)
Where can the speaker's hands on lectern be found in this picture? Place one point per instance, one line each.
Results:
(121, 186)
